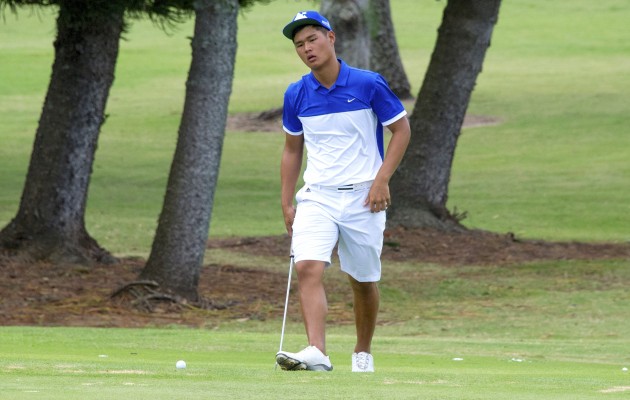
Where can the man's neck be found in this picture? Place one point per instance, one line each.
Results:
(327, 74)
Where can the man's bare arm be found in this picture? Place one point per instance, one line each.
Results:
(290, 167)
(379, 197)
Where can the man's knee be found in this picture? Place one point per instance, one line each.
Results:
(310, 269)
(363, 288)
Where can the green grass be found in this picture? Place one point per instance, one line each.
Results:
(552, 331)
(537, 331)
(559, 79)
(556, 75)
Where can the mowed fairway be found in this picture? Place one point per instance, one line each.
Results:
(557, 77)
(82, 363)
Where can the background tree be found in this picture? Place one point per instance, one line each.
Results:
(182, 233)
(384, 52)
(366, 39)
(50, 222)
(350, 23)
(420, 185)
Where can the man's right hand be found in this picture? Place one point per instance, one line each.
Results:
(289, 216)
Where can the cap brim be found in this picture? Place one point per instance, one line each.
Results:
(292, 26)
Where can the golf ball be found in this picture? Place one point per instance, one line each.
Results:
(181, 364)
(624, 369)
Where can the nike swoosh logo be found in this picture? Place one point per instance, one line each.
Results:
(351, 100)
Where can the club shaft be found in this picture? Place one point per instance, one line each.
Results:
(286, 303)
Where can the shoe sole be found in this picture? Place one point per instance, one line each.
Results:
(290, 364)
(319, 367)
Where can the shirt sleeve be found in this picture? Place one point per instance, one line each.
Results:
(291, 124)
(386, 105)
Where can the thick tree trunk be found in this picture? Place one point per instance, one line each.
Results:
(420, 186)
(349, 22)
(50, 221)
(180, 241)
(384, 53)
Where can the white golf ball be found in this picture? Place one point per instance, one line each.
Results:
(624, 369)
(181, 364)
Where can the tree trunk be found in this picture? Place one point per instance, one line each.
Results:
(384, 54)
(50, 221)
(366, 39)
(182, 233)
(420, 186)
(349, 22)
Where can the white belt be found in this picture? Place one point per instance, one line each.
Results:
(353, 187)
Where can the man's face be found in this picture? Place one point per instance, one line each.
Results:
(313, 46)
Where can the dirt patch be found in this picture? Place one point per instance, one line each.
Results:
(454, 248)
(45, 294)
(267, 121)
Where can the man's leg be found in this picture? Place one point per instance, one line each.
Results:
(313, 301)
(366, 304)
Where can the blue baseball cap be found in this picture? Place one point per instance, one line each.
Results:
(305, 18)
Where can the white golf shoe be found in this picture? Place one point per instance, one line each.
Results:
(362, 362)
(309, 359)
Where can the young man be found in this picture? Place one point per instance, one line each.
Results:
(338, 113)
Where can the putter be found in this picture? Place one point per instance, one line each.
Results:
(286, 306)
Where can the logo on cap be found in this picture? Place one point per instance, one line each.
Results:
(305, 18)
(300, 15)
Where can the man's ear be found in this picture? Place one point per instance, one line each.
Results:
(331, 37)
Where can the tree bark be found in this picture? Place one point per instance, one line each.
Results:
(420, 186)
(384, 52)
(50, 221)
(180, 241)
(349, 22)
(365, 38)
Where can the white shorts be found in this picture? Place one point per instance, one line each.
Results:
(326, 215)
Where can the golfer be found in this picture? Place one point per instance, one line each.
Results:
(337, 112)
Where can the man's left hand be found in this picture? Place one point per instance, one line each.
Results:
(378, 199)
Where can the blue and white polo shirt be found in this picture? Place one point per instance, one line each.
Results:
(342, 126)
